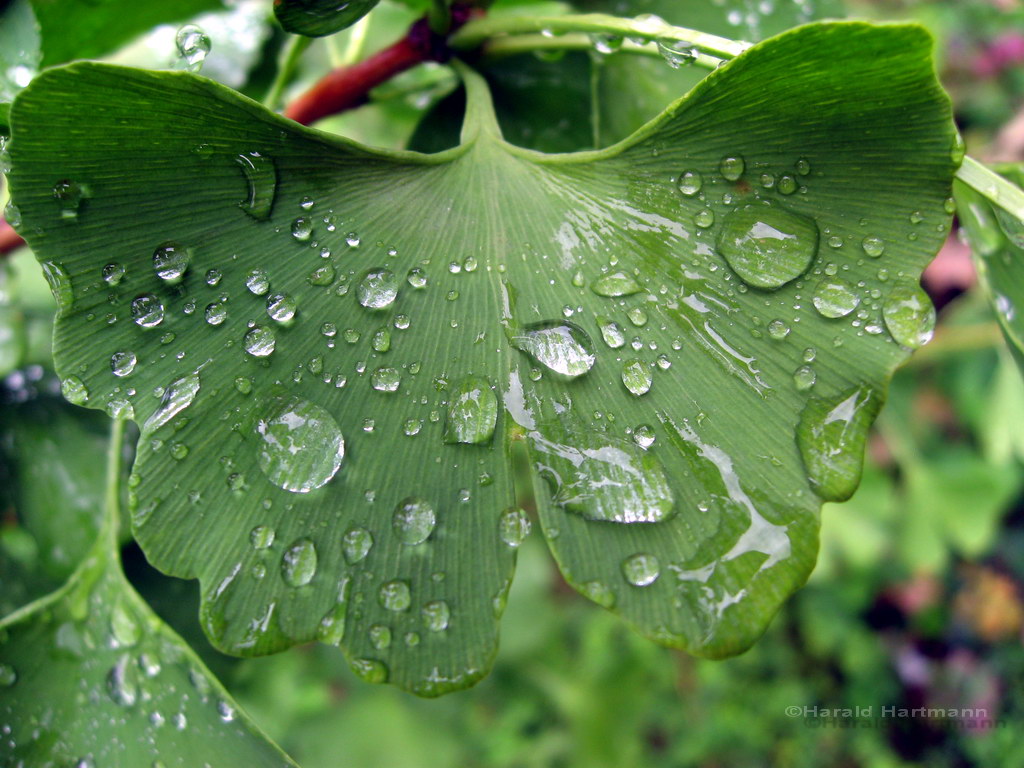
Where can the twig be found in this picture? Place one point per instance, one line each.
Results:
(349, 87)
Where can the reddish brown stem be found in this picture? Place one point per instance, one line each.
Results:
(9, 239)
(349, 87)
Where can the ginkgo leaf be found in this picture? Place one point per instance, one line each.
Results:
(316, 18)
(692, 330)
(89, 675)
(996, 237)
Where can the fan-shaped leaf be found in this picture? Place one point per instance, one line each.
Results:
(692, 330)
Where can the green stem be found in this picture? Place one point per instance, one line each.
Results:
(480, 117)
(115, 464)
(289, 59)
(514, 45)
(992, 186)
(480, 30)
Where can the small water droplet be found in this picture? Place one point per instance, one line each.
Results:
(322, 275)
(259, 341)
(193, 46)
(262, 537)
(778, 330)
(176, 398)
(370, 670)
(301, 445)
(59, 282)
(436, 615)
(298, 563)
(302, 228)
(413, 520)
(171, 261)
(909, 315)
(395, 596)
(123, 682)
(676, 53)
(704, 218)
(835, 298)
(643, 435)
(8, 675)
(641, 569)
(804, 378)
(417, 278)
(558, 345)
(74, 391)
(690, 183)
(786, 185)
(112, 274)
(637, 377)
(377, 289)
(873, 246)
(472, 412)
(612, 334)
(380, 637)
(261, 178)
(216, 313)
(123, 363)
(732, 167)
(386, 379)
(281, 307)
(767, 246)
(614, 285)
(124, 627)
(599, 592)
(637, 316)
(257, 282)
(513, 526)
(68, 195)
(356, 545)
(916, 217)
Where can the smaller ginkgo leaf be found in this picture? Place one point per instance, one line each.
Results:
(315, 18)
(89, 675)
(996, 238)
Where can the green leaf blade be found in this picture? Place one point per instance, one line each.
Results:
(441, 268)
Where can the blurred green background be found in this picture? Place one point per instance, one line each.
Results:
(917, 597)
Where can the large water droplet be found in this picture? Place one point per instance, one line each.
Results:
(436, 615)
(601, 477)
(356, 545)
(298, 563)
(380, 637)
(301, 445)
(124, 628)
(641, 569)
(193, 46)
(177, 397)
(909, 315)
(262, 537)
(377, 289)
(873, 246)
(259, 341)
(472, 412)
(370, 670)
(413, 520)
(395, 595)
(513, 526)
(637, 377)
(767, 246)
(835, 298)
(831, 437)
(615, 284)
(612, 333)
(170, 261)
(261, 180)
(676, 53)
(112, 273)
(559, 345)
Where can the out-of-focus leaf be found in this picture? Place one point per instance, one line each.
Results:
(72, 29)
(315, 18)
(19, 50)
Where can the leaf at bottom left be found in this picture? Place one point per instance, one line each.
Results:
(90, 676)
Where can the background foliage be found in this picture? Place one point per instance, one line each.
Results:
(917, 596)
